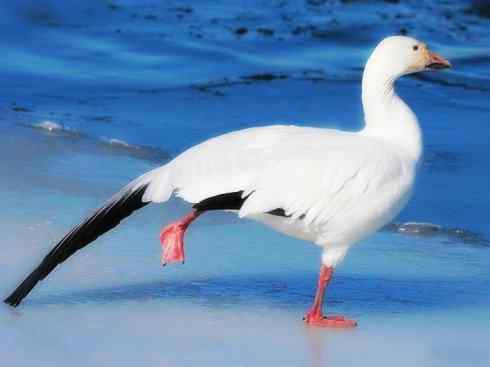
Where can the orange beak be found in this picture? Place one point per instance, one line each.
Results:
(437, 62)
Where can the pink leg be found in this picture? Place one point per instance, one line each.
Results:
(172, 238)
(315, 314)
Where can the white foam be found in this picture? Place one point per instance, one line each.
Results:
(50, 126)
(121, 143)
(139, 151)
(419, 227)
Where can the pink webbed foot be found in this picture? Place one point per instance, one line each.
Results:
(315, 316)
(172, 239)
(333, 321)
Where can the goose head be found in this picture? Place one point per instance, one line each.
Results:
(399, 55)
(385, 114)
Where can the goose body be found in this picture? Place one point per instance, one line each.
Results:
(324, 180)
(330, 187)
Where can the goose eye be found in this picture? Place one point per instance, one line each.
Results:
(415, 48)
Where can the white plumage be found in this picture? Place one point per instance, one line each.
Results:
(335, 186)
(326, 186)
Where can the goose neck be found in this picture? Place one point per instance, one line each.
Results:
(386, 116)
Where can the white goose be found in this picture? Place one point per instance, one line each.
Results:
(330, 187)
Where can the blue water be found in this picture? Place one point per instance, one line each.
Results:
(95, 93)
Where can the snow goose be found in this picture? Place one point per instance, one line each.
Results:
(326, 186)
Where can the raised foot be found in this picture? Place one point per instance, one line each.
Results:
(333, 321)
(172, 240)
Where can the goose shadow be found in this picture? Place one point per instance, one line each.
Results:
(355, 295)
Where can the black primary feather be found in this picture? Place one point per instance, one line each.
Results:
(230, 201)
(104, 219)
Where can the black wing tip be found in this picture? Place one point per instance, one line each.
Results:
(12, 301)
(23, 289)
(15, 298)
(226, 201)
(231, 201)
(104, 219)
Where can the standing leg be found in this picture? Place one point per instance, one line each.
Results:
(315, 314)
(172, 238)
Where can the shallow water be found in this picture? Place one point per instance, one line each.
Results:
(98, 93)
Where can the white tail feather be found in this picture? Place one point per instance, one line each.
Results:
(159, 187)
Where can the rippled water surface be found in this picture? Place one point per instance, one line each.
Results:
(95, 93)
